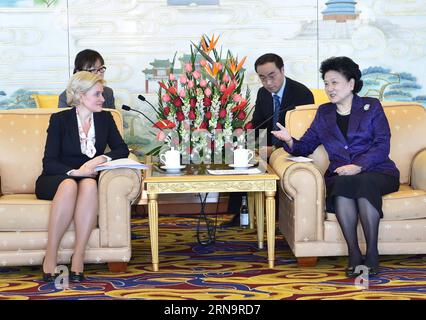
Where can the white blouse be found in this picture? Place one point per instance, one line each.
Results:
(87, 142)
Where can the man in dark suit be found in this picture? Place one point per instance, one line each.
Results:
(278, 95)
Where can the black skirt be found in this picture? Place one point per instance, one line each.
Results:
(46, 186)
(370, 185)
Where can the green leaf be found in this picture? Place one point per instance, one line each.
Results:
(154, 152)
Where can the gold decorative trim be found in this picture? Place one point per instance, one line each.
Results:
(270, 186)
(216, 186)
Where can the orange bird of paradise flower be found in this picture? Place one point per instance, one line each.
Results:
(216, 69)
(233, 65)
(210, 46)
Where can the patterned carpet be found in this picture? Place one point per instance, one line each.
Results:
(232, 268)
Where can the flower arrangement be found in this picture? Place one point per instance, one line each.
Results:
(203, 110)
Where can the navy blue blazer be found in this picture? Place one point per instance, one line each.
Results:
(108, 95)
(295, 94)
(63, 151)
(368, 138)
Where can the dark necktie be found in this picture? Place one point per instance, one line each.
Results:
(277, 106)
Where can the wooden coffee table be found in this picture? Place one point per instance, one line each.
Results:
(195, 179)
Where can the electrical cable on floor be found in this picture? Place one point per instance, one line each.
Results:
(210, 224)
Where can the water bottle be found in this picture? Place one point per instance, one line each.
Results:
(244, 213)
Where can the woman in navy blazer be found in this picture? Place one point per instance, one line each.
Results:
(355, 133)
(75, 145)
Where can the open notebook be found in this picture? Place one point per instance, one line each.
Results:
(235, 171)
(121, 163)
(300, 159)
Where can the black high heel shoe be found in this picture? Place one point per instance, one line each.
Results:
(373, 271)
(76, 276)
(350, 272)
(48, 277)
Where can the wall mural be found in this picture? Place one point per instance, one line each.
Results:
(139, 38)
(191, 2)
(381, 82)
(26, 3)
(388, 85)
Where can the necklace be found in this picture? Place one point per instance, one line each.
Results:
(344, 112)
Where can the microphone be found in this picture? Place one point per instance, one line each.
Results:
(142, 98)
(271, 117)
(127, 108)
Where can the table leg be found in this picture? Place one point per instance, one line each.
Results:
(259, 200)
(153, 228)
(270, 226)
(251, 208)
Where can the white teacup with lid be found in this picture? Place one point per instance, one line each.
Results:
(171, 159)
(242, 157)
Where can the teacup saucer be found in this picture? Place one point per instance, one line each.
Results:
(173, 169)
(232, 165)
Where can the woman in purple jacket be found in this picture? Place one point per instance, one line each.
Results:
(355, 133)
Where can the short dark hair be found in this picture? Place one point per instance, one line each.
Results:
(86, 59)
(346, 66)
(269, 57)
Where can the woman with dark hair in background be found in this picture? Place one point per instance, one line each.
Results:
(91, 61)
(355, 133)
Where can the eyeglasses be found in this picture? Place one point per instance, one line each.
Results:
(271, 77)
(97, 70)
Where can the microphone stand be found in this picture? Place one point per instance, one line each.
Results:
(127, 108)
(142, 98)
(279, 113)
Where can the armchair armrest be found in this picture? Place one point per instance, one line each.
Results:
(304, 187)
(278, 161)
(418, 171)
(117, 189)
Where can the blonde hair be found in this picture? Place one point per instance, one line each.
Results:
(80, 83)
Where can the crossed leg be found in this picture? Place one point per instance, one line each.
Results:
(72, 199)
(85, 213)
(61, 214)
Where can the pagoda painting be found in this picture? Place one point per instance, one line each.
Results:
(340, 10)
(160, 71)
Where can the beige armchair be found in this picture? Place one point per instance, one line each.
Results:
(24, 218)
(311, 232)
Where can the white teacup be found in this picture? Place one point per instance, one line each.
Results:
(171, 159)
(242, 157)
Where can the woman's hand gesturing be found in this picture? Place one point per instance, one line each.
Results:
(283, 135)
